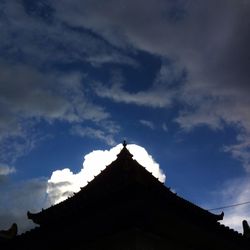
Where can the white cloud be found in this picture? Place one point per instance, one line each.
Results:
(148, 124)
(6, 170)
(63, 182)
(35, 194)
(141, 155)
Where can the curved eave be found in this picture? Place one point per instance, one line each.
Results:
(196, 210)
(34, 217)
(218, 217)
(210, 216)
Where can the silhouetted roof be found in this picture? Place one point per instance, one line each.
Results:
(126, 203)
(122, 172)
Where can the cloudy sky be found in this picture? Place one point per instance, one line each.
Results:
(82, 75)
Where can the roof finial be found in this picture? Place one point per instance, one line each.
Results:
(246, 229)
(124, 144)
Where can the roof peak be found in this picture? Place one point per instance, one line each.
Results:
(124, 153)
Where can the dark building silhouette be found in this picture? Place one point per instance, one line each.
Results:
(126, 207)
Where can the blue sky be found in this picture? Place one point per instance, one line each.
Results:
(170, 76)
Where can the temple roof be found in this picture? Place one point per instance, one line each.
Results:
(125, 207)
(128, 178)
(126, 204)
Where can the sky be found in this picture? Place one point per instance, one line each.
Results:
(78, 77)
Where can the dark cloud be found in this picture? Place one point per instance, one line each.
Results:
(32, 40)
(28, 96)
(208, 40)
(31, 89)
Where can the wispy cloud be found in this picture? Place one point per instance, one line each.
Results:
(241, 151)
(164, 127)
(154, 97)
(15, 146)
(94, 133)
(148, 124)
(6, 170)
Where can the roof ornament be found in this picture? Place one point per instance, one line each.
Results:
(124, 144)
(124, 153)
(10, 233)
(246, 229)
(221, 216)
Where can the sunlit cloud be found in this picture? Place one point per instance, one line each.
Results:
(35, 194)
(63, 183)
